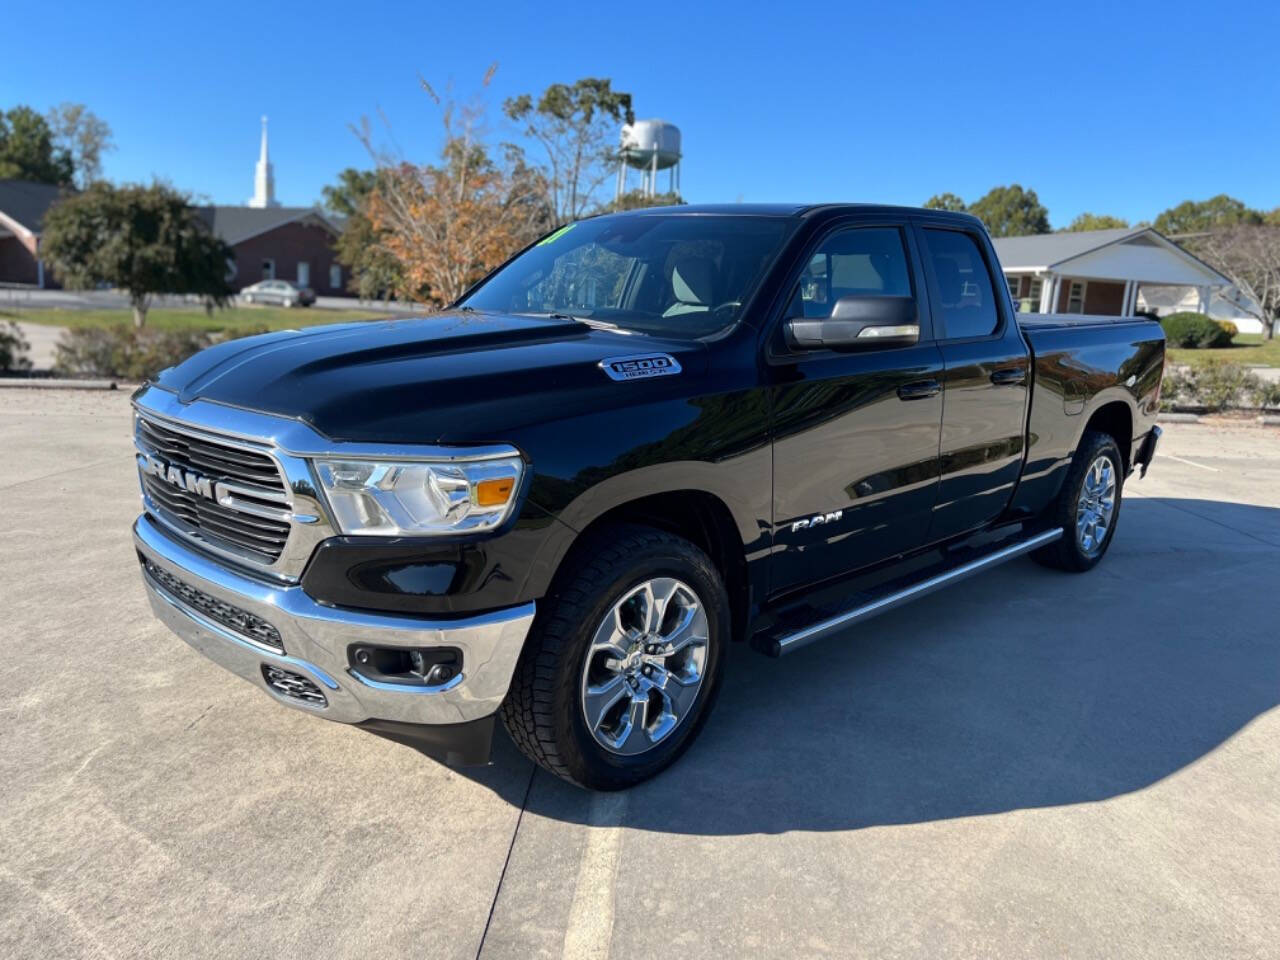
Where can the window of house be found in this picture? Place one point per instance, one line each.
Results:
(967, 301)
(1075, 296)
(335, 276)
(1037, 290)
(1015, 286)
(268, 269)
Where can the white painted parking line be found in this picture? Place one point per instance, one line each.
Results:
(1191, 463)
(590, 927)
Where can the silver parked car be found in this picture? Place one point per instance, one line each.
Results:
(280, 292)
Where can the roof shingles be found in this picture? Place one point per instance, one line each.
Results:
(26, 202)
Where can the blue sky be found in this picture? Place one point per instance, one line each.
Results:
(1123, 107)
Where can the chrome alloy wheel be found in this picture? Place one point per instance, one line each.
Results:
(645, 666)
(1096, 505)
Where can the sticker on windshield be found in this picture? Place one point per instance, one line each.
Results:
(552, 237)
(640, 367)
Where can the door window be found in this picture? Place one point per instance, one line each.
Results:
(304, 274)
(864, 261)
(966, 299)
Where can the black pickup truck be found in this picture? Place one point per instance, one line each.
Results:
(645, 437)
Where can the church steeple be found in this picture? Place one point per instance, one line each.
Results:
(264, 177)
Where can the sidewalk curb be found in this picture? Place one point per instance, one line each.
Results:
(35, 383)
(1178, 418)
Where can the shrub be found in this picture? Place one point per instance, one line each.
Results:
(1266, 393)
(1222, 385)
(1228, 326)
(1194, 330)
(130, 353)
(1174, 387)
(13, 348)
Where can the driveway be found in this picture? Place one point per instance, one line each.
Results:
(1031, 764)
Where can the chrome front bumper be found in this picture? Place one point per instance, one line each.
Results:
(316, 640)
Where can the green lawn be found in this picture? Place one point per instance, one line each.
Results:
(1245, 348)
(237, 319)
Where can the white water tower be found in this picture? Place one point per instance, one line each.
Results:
(649, 146)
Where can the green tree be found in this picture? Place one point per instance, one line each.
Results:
(945, 201)
(27, 149)
(373, 272)
(84, 137)
(1096, 221)
(1196, 216)
(637, 200)
(577, 127)
(1011, 212)
(144, 240)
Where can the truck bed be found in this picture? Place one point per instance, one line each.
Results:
(1060, 321)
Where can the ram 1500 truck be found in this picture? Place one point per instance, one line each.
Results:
(646, 436)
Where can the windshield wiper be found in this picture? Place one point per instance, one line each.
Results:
(599, 324)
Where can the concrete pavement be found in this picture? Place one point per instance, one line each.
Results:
(1029, 764)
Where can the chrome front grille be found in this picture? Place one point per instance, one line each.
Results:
(244, 507)
(239, 621)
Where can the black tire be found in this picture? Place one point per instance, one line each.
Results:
(1067, 553)
(543, 711)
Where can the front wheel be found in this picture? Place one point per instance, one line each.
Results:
(1088, 506)
(624, 661)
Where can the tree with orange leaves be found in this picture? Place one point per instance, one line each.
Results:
(450, 223)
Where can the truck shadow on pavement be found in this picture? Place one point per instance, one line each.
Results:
(1023, 688)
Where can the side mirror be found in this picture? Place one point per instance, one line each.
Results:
(857, 323)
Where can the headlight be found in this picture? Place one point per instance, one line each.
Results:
(416, 498)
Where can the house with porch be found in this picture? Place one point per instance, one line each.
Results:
(1112, 272)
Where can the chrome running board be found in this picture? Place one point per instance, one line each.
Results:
(801, 638)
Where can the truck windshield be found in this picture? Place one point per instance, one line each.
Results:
(675, 275)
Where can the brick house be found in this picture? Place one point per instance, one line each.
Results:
(23, 205)
(280, 243)
(1108, 272)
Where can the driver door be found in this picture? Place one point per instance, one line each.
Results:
(855, 432)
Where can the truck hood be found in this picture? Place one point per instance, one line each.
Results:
(452, 377)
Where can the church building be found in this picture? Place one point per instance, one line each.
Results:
(272, 242)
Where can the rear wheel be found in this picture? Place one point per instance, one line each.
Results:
(624, 661)
(1088, 506)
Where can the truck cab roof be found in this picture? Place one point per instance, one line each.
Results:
(798, 210)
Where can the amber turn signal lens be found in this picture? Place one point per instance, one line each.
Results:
(494, 493)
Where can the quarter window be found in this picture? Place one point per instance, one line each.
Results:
(865, 261)
(966, 299)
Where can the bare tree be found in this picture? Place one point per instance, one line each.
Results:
(1248, 256)
(450, 223)
(84, 137)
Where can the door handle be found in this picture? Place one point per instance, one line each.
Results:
(919, 390)
(1009, 376)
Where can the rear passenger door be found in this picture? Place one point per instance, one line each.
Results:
(985, 378)
(855, 449)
